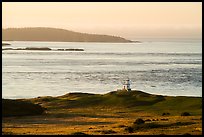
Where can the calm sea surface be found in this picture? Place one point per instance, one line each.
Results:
(165, 68)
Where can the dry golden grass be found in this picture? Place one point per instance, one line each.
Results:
(95, 124)
(108, 114)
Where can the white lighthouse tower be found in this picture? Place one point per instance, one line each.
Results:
(126, 85)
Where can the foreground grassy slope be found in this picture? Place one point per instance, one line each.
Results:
(111, 113)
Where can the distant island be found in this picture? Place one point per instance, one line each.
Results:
(56, 35)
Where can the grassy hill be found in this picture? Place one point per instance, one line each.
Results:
(55, 35)
(134, 100)
(111, 113)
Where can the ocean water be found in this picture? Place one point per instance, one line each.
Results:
(164, 68)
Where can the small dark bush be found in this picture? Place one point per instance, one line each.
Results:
(78, 133)
(182, 123)
(108, 131)
(187, 134)
(129, 129)
(122, 126)
(166, 114)
(151, 125)
(164, 119)
(146, 126)
(147, 120)
(139, 121)
(178, 123)
(185, 114)
(155, 119)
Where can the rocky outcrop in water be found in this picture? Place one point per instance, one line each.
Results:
(5, 44)
(42, 49)
(34, 48)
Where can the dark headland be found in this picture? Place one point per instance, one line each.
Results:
(56, 35)
(116, 112)
(5, 44)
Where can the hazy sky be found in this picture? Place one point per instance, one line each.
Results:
(133, 20)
